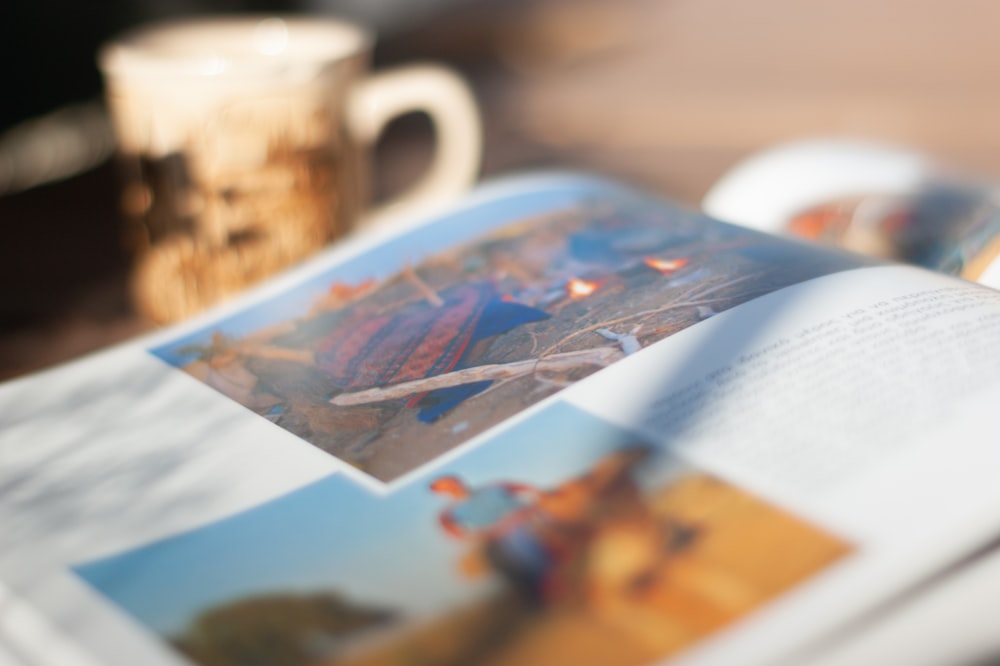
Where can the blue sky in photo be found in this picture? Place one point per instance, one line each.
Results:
(333, 535)
(388, 258)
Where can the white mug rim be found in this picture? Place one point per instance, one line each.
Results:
(150, 50)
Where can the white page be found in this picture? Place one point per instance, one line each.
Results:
(878, 500)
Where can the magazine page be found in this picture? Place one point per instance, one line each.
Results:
(565, 423)
(953, 616)
(868, 198)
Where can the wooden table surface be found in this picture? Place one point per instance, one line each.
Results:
(666, 94)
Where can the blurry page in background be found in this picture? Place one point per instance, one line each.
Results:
(867, 198)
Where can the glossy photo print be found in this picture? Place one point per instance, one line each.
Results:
(394, 357)
(561, 540)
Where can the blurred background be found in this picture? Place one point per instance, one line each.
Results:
(665, 94)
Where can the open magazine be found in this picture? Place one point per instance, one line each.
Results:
(562, 423)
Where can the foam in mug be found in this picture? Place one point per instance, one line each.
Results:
(245, 145)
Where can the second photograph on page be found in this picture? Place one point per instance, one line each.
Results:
(563, 540)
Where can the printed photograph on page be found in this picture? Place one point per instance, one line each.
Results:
(562, 540)
(397, 356)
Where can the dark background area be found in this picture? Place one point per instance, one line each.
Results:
(62, 266)
(665, 94)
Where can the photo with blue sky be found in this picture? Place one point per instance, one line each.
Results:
(383, 551)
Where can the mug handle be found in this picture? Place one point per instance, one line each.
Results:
(446, 98)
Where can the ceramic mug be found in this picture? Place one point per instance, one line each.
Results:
(246, 146)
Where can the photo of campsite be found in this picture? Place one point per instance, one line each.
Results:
(561, 540)
(397, 358)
